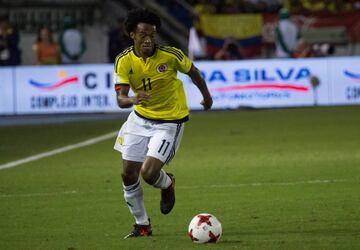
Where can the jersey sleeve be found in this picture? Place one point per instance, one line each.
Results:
(183, 62)
(121, 75)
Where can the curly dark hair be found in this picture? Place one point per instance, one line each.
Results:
(136, 16)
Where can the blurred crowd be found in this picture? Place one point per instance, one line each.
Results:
(271, 6)
(69, 45)
(68, 48)
(268, 6)
(10, 54)
(236, 6)
(323, 6)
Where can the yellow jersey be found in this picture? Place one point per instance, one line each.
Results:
(158, 77)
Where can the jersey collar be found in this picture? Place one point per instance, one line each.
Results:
(153, 54)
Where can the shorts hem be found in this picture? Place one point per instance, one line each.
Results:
(133, 158)
(156, 157)
(130, 157)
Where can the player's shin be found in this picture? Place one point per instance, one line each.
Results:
(163, 182)
(134, 198)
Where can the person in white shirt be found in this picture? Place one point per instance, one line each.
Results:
(197, 45)
(72, 42)
(286, 35)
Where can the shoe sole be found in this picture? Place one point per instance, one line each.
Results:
(133, 236)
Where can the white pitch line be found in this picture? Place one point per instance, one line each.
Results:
(58, 151)
(38, 194)
(232, 185)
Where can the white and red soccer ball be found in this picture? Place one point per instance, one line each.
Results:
(205, 228)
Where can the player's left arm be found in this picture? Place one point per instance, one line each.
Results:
(199, 81)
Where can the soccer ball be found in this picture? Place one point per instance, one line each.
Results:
(205, 228)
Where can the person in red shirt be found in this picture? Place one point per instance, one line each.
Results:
(45, 49)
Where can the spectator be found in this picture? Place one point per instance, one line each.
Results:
(10, 53)
(45, 49)
(197, 45)
(72, 42)
(118, 40)
(286, 35)
(314, 5)
(323, 50)
(229, 51)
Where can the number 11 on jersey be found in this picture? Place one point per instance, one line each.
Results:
(146, 83)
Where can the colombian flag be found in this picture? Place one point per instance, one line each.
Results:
(244, 28)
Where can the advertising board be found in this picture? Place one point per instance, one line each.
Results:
(233, 84)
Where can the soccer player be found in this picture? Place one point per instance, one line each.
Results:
(151, 135)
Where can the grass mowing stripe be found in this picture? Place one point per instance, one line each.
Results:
(58, 151)
(263, 184)
(230, 185)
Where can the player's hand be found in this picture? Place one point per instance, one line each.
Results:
(207, 103)
(141, 98)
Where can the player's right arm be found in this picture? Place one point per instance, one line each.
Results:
(126, 101)
(122, 84)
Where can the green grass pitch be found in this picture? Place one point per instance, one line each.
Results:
(276, 179)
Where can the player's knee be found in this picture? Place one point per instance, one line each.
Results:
(148, 175)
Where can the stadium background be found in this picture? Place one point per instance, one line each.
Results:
(284, 177)
(95, 18)
(254, 32)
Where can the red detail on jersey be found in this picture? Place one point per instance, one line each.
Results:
(213, 237)
(204, 219)
(192, 236)
(120, 86)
